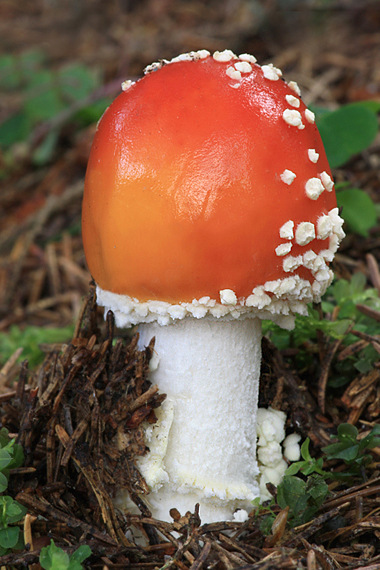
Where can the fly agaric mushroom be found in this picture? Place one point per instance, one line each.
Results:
(208, 206)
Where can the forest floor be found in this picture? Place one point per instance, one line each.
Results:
(81, 434)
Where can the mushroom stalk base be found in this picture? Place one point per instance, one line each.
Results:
(203, 447)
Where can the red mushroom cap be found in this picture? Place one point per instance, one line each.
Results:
(193, 172)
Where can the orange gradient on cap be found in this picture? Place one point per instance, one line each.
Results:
(183, 195)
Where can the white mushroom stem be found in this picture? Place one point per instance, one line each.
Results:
(203, 448)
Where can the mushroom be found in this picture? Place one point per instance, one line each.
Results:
(208, 206)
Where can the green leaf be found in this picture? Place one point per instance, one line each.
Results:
(338, 381)
(3, 482)
(294, 468)
(357, 284)
(317, 490)
(9, 449)
(18, 456)
(319, 112)
(347, 131)
(4, 437)
(5, 459)
(363, 366)
(9, 536)
(333, 448)
(358, 210)
(74, 565)
(342, 451)
(310, 467)
(340, 290)
(13, 510)
(92, 113)
(16, 512)
(83, 552)
(305, 453)
(45, 150)
(30, 62)
(20, 545)
(3, 551)
(348, 293)
(369, 442)
(54, 558)
(291, 492)
(14, 129)
(347, 432)
(77, 82)
(10, 77)
(373, 105)
(18, 69)
(303, 497)
(266, 524)
(42, 97)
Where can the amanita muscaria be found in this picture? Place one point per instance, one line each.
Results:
(208, 206)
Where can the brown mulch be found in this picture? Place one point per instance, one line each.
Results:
(79, 419)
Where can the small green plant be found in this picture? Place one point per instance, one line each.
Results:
(348, 131)
(266, 513)
(10, 536)
(47, 93)
(304, 497)
(358, 210)
(345, 132)
(30, 337)
(342, 298)
(304, 488)
(352, 450)
(346, 295)
(308, 465)
(11, 456)
(52, 557)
